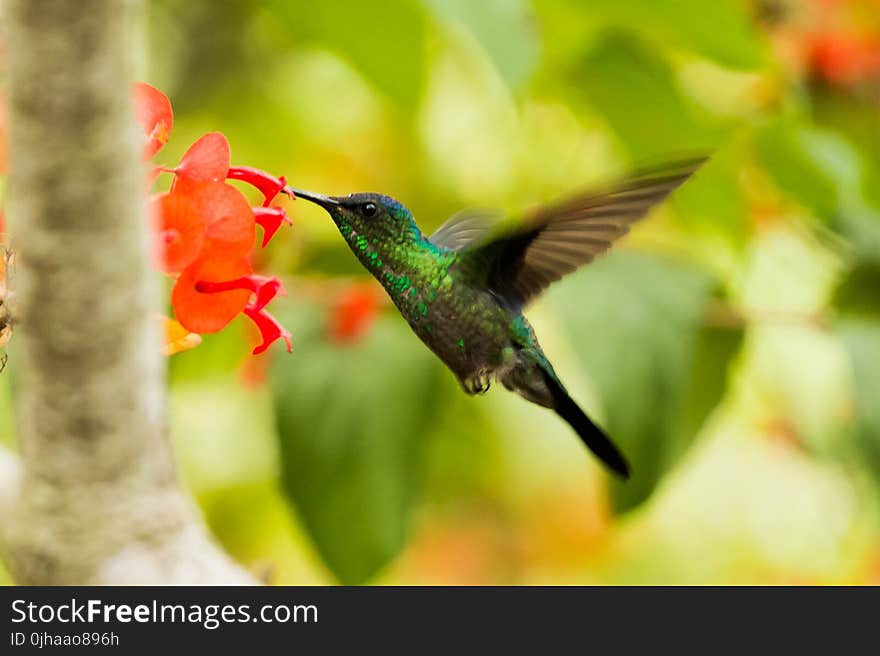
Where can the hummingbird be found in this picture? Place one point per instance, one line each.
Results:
(463, 289)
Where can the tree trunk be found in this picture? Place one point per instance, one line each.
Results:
(98, 500)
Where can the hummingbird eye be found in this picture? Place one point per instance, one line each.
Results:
(369, 209)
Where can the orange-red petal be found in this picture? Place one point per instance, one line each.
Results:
(180, 231)
(270, 219)
(202, 312)
(227, 215)
(152, 110)
(207, 160)
(270, 329)
(264, 288)
(268, 185)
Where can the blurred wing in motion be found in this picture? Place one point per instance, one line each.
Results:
(465, 228)
(557, 239)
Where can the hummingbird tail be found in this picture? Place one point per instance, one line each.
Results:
(592, 436)
(533, 379)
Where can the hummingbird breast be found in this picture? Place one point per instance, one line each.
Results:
(460, 321)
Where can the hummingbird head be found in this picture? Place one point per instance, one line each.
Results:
(367, 214)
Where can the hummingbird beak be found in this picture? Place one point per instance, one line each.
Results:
(318, 199)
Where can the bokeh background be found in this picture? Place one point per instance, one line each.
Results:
(730, 344)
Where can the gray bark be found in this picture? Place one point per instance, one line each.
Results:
(98, 499)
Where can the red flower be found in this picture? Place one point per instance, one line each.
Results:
(844, 58)
(152, 110)
(354, 312)
(220, 283)
(206, 227)
(209, 295)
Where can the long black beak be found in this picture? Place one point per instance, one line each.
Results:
(319, 199)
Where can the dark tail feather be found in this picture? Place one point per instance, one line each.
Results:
(593, 436)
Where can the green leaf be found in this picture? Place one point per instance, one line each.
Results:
(383, 39)
(851, 114)
(638, 328)
(637, 93)
(352, 423)
(720, 30)
(790, 153)
(857, 303)
(858, 294)
(861, 338)
(827, 175)
(502, 27)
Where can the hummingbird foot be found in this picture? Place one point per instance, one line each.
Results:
(479, 383)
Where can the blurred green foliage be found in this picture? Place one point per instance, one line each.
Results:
(354, 423)
(731, 344)
(359, 32)
(663, 367)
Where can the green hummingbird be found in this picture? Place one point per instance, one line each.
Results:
(463, 289)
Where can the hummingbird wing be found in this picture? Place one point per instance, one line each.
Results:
(556, 239)
(466, 228)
